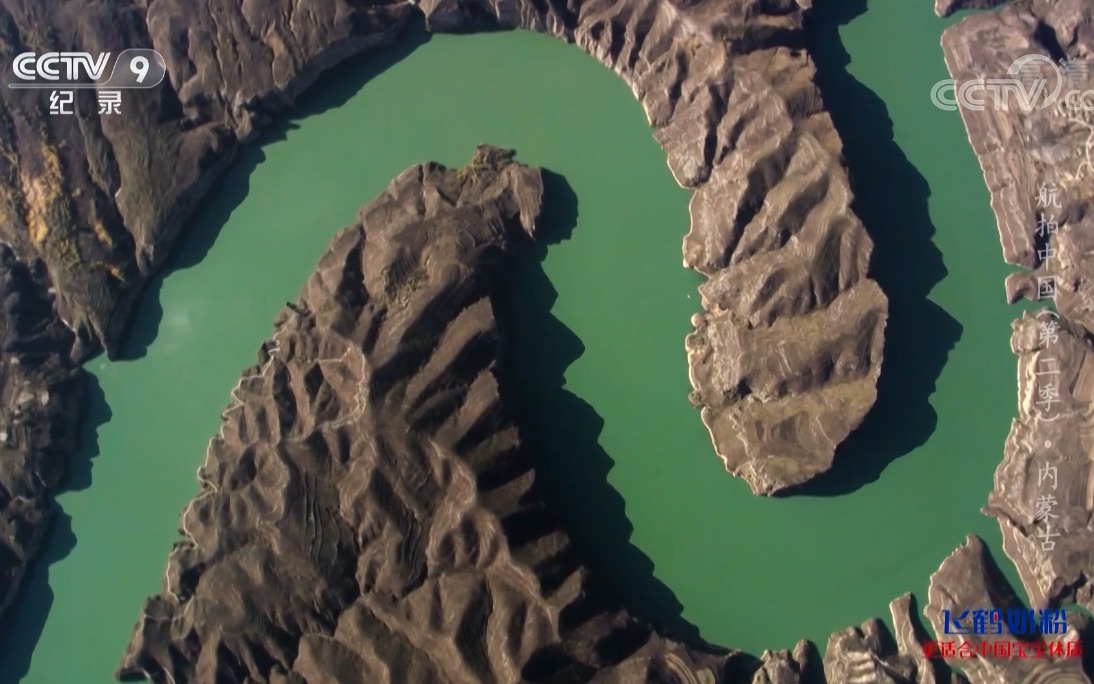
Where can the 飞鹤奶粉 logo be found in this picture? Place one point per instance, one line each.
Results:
(63, 73)
(1018, 622)
(1022, 633)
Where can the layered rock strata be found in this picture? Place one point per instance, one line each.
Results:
(1038, 167)
(1043, 487)
(869, 653)
(92, 204)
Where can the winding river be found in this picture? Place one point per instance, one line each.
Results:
(599, 320)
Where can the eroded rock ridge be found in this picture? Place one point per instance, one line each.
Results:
(784, 362)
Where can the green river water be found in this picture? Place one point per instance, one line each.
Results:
(599, 338)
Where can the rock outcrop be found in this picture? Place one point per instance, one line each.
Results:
(1038, 167)
(969, 581)
(910, 638)
(367, 513)
(784, 362)
(1041, 497)
(39, 395)
(945, 8)
(92, 204)
(868, 653)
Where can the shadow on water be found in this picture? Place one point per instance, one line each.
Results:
(891, 199)
(562, 431)
(332, 90)
(26, 620)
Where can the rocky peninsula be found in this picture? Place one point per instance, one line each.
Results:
(945, 8)
(367, 512)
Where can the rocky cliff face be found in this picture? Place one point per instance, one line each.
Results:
(1037, 164)
(40, 395)
(969, 581)
(92, 204)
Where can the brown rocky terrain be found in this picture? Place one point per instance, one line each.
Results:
(1037, 165)
(326, 571)
(367, 512)
(91, 205)
(40, 393)
(969, 580)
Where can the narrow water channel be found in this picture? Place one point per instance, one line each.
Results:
(599, 319)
